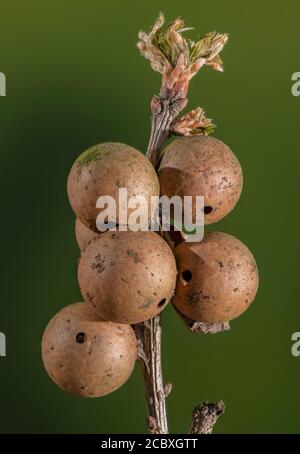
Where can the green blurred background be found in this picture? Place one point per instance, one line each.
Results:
(74, 79)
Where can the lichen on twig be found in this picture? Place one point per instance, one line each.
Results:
(205, 417)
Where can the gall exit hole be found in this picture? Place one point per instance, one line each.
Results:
(81, 338)
(207, 209)
(162, 302)
(186, 276)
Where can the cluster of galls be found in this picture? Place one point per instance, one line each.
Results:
(127, 277)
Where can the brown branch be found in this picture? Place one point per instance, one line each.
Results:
(149, 353)
(149, 332)
(164, 111)
(172, 99)
(203, 328)
(205, 417)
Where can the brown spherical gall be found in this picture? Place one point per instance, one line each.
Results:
(85, 355)
(84, 235)
(128, 277)
(217, 278)
(101, 171)
(203, 166)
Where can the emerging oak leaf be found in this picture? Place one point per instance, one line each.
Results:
(178, 59)
(165, 48)
(193, 123)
